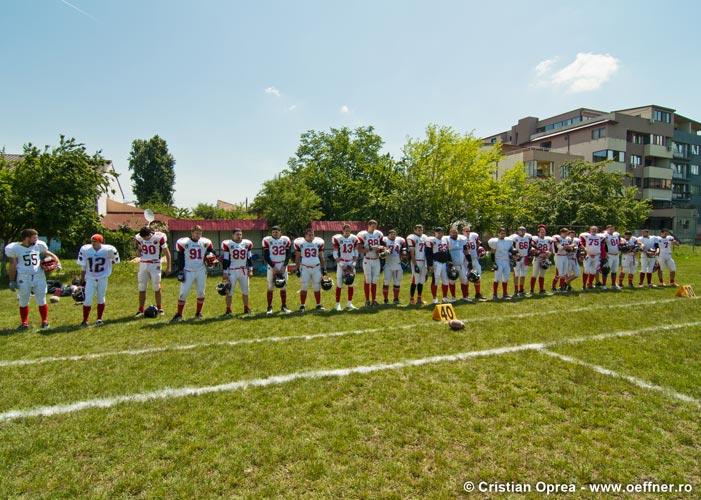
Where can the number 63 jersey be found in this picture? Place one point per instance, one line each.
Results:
(97, 263)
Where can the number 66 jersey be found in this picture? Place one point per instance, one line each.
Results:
(97, 263)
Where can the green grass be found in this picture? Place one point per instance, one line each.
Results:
(418, 431)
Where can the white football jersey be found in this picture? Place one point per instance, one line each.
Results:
(368, 240)
(150, 249)
(576, 244)
(612, 242)
(456, 248)
(648, 242)
(502, 248)
(277, 247)
(592, 243)
(665, 244)
(28, 258)
(345, 249)
(559, 244)
(543, 245)
(473, 241)
(194, 252)
(309, 250)
(97, 263)
(236, 253)
(437, 245)
(395, 248)
(522, 243)
(418, 243)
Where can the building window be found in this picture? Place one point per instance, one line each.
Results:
(560, 124)
(609, 154)
(678, 171)
(658, 140)
(680, 149)
(655, 183)
(636, 160)
(539, 169)
(694, 149)
(661, 116)
(494, 140)
(694, 169)
(598, 133)
(695, 189)
(546, 145)
(564, 171)
(636, 138)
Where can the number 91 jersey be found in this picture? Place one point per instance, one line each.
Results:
(97, 263)
(28, 258)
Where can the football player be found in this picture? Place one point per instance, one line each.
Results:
(612, 240)
(649, 247)
(150, 245)
(195, 254)
(666, 241)
(370, 246)
(311, 265)
(345, 254)
(475, 252)
(277, 250)
(502, 251)
(628, 262)
(593, 244)
(396, 251)
(542, 247)
(522, 242)
(457, 248)
(437, 257)
(237, 267)
(26, 274)
(574, 257)
(95, 260)
(562, 245)
(416, 243)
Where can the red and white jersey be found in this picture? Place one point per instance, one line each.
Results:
(309, 251)
(368, 240)
(97, 263)
(543, 245)
(236, 253)
(473, 242)
(648, 243)
(395, 248)
(665, 244)
(437, 245)
(194, 252)
(612, 242)
(576, 245)
(418, 243)
(150, 249)
(522, 243)
(502, 248)
(560, 243)
(592, 243)
(456, 248)
(277, 247)
(28, 258)
(345, 249)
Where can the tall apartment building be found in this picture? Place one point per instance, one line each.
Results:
(659, 148)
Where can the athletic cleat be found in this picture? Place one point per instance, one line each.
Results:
(285, 310)
(506, 297)
(351, 307)
(420, 302)
(446, 300)
(227, 314)
(386, 301)
(412, 301)
(161, 312)
(338, 307)
(199, 317)
(435, 300)
(375, 303)
(99, 322)
(45, 325)
(84, 324)
(247, 310)
(495, 297)
(480, 298)
(176, 319)
(139, 314)
(302, 308)
(269, 312)
(631, 286)
(396, 302)
(604, 287)
(320, 307)
(23, 326)
(368, 303)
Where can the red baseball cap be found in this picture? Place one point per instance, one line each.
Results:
(97, 237)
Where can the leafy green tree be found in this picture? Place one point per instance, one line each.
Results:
(287, 202)
(152, 171)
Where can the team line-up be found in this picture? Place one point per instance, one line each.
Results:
(448, 259)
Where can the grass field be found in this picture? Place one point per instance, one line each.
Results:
(585, 388)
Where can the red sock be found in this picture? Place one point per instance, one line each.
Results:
(505, 288)
(563, 282)
(270, 298)
(181, 306)
(302, 297)
(317, 296)
(532, 284)
(434, 290)
(477, 288)
(396, 293)
(613, 279)
(464, 290)
(373, 290)
(444, 289)
(649, 278)
(283, 297)
(451, 286)
(366, 289)
(495, 288)
(200, 303)
(100, 310)
(541, 283)
(141, 309)
(642, 277)
(350, 293)
(338, 294)
(24, 314)
(555, 280)
(385, 292)
(44, 312)
(86, 313)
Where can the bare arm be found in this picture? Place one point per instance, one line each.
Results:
(169, 260)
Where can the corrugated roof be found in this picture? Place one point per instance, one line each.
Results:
(337, 225)
(218, 225)
(134, 221)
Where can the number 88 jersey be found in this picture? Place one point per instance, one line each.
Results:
(97, 263)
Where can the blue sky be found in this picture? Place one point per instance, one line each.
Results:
(231, 85)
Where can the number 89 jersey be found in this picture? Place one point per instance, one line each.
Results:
(28, 258)
(97, 263)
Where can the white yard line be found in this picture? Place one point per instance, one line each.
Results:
(232, 343)
(643, 384)
(171, 393)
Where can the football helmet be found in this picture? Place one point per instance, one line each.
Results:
(481, 252)
(211, 260)
(78, 294)
(326, 283)
(348, 276)
(280, 280)
(49, 264)
(453, 273)
(651, 253)
(605, 269)
(223, 288)
(473, 277)
(456, 324)
(151, 311)
(545, 263)
(624, 248)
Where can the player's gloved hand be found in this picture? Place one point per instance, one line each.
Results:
(417, 269)
(12, 285)
(82, 283)
(180, 276)
(298, 272)
(494, 267)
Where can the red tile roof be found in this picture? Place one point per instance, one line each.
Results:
(133, 221)
(218, 225)
(337, 225)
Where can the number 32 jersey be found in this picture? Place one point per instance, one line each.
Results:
(97, 263)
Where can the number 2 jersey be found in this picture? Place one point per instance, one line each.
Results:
(97, 263)
(194, 252)
(28, 258)
(150, 249)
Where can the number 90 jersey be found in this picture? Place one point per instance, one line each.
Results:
(194, 252)
(97, 263)
(309, 251)
(28, 258)
(150, 249)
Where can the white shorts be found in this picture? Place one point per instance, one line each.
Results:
(197, 277)
(647, 264)
(371, 269)
(420, 277)
(95, 286)
(572, 266)
(462, 273)
(239, 276)
(562, 263)
(613, 261)
(666, 263)
(440, 273)
(393, 274)
(271, 275)
(521, 269)
(538, 270)
(310, 275)
(149, 272)
(503, 271)
(628, 264)
(28, 283)
(591, 264)
(340, 266)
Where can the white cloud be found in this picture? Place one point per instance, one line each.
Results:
(292, 108)
(272, 91)
(587, 72)
(344, 109)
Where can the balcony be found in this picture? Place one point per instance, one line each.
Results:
(658, 151)
(616, 167)
(657, 194)
(657, 172)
